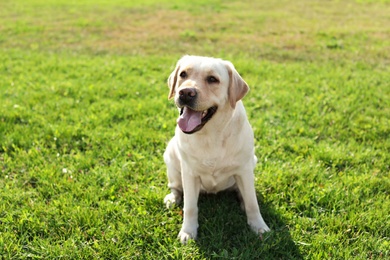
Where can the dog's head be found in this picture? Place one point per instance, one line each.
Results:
(201, 86)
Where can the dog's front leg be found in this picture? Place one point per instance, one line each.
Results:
(247, 189)
(191, 189)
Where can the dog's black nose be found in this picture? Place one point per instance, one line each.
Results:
(187, 94)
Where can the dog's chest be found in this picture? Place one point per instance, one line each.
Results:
(214, 184)
(209, 163)
(214, 175)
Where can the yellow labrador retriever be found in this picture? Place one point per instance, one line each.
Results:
(213, 146)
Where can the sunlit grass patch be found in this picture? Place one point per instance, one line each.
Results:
(84, 120)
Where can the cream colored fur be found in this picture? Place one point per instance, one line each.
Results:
(219, 156)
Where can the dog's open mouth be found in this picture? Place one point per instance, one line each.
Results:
(191, 121)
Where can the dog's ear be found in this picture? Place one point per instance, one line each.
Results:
(172, 80)
(237, 86)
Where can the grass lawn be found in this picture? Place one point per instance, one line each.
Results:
(84, 121)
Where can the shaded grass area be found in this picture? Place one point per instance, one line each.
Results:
(84, 121)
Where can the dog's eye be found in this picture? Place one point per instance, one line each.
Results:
(183, 74)
(212, 79)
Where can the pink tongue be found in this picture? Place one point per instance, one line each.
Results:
(189, 120)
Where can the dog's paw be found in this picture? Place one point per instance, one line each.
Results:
(171, 200)
(260, 227)
(185, 237)
(264, 229)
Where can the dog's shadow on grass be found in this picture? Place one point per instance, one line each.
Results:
(224, 233)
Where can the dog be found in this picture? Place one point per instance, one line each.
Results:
(213, 146)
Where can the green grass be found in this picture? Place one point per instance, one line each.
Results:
(84, 121)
